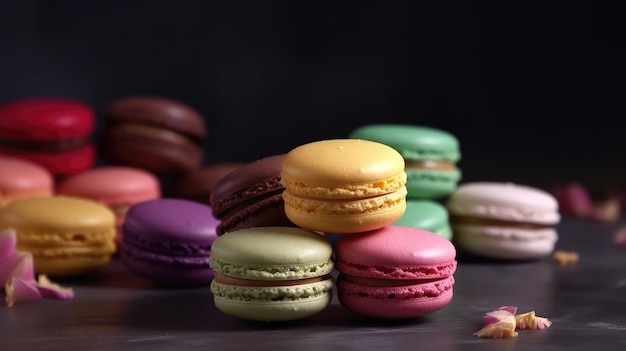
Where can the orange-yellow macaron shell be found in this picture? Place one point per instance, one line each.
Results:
(67, 236)
(343, 185)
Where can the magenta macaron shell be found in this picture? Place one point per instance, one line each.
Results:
(168, 241)
(395, 272)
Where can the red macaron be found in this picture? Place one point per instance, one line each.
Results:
(52, 132)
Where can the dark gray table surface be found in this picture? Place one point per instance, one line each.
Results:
(114, 310)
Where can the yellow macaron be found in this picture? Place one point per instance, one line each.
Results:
(67, 236)
(344, 185)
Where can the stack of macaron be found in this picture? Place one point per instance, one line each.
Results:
(355, 188)
(430, 156)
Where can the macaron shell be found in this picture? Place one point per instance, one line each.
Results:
(45, 119)
(112, 186)
(414, 143)
(511, 243)
(21, 178)
(272, 253)
(395, 302)
(395, 252)
(431, 183)
(346, 217)
(57, 214)
(156, 150)
(171, 221)
(504, 201)
(158, 112)
(69, 265)
(281, 303)
(427, 215)
(167, 270)
(342, 162)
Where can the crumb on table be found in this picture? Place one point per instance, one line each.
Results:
(565, 258)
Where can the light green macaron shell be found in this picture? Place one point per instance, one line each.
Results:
(427, 215)
(414, 143)
(272, 253)
(278, 303)
(419, 144)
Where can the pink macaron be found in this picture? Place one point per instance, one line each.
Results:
(395, 272)
(22, 179)
(115, 187)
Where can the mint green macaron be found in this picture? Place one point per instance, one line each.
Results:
(430, 156)
(271, 273)
(427, 215)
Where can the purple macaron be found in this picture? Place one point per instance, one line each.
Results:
(168, 241)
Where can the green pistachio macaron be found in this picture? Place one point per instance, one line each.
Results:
(271, 273)
(430, 156)
(427, 215)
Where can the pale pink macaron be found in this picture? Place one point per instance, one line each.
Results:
(395, 272)
(116, 187)
(23, 179)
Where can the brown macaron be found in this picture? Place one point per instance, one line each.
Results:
(198, 184)
(250, 196)
(153, 133)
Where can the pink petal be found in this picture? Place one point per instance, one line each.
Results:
(510, 309)
(20, 290)
(25, 268)
(19, 264)
(8, 241)
(574, 199)
(52, 290)
(499, 323)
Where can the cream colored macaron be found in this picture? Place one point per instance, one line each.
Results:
(344, 185)
(504, 220)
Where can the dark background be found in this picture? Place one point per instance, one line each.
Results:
(533, 91)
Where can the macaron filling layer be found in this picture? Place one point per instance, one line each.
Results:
(345, 191)
(345, 206)
(227, 280)
(476, 221)
(430, 164)
(289, 272)
(45, 145)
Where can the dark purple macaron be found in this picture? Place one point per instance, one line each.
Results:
(168, 241)
(251, 196)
